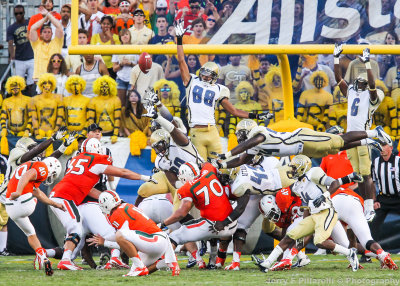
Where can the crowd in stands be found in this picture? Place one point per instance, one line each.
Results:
(39, 45)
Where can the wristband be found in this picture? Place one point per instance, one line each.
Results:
(368, 65)
(224, 165)
(62, 148)
(372, 89)
(336, 60)
(327, 194)
(340, 81)
(344, 180)
(252, 115)
(145, 178)
(179, 40)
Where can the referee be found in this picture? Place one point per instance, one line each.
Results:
(385, 171)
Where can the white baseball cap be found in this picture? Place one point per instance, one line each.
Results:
(162, 4)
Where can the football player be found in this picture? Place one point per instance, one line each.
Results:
(137, 235)
(362, 103)
(322, 219)
(83, 173)
(21, 198)
(204, 190)
(202, 96)
(260, 140)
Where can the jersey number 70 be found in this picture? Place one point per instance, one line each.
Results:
(217, 190)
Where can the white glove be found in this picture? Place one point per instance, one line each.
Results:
(265, 115)
(179, 30)
(71, 138)
(59, 134)
(337, 50)
(355, 177)
(365, 57)
(148, 179)
(152, 97)
(151, 112)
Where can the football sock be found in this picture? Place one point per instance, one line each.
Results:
(341, 249)
(236, 256)
(293, 252)
(370, 254)
(67, 255)
(3, 240)
(372, 133)
(222, 253)
(115, 253)
(51, 252)
(137, 261)
(286, 253)
(273, 256)
(213, 254)
(301, 255)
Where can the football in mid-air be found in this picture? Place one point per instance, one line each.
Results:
(145, 62)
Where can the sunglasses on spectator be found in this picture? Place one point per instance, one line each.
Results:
(56, 61)
(162, 9)
(139, 14)
(195, 6)
(211, 20)
(19, 13)
(165, 89)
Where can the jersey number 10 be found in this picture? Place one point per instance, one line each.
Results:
(198, 95)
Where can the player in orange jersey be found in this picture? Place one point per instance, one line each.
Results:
(137, 235)
(204, 190)
(82, 174)
(21, 198)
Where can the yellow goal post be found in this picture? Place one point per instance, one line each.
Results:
(281, 51)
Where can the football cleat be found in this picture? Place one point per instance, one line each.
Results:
(320, 251)
(365, 259)
(389, 263)
(301, 262)
(369, 216)
(115, 262)
(259, 262)
(383, 136)
(68, 265)
(176, 270)
(5, 252)
(284, 264)
(219, 262)
(104, 258)
(191, 262)
(137, 272)
(211, 266)
(374, 144)
(359, 266)
(47, 267)
(37, 263)
(353, 259)
(235, 266)
(201, 264)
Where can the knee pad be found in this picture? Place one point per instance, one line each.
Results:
(240, 234)
(368, 244)
(74, 238)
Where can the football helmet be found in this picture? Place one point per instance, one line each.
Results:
(337, 129)
(54, 169)
(243, 129)
(154, 125)
(211, 70)
(160, 140)
(108, 200)
(25, 143)
(360, 83)
(92, 145)
(188, 172)
(269, 208)
(301, 164)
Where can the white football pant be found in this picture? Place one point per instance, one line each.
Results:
(19, 211)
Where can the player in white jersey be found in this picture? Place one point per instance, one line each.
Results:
(260, 140)
(312, 187)
(362, 103)
(202, 96)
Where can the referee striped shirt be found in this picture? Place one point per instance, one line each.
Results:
(386, 175)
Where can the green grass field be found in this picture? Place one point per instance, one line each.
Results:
(328, 270)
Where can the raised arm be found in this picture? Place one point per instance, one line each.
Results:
(180, 31)
(340, 81)
(33, 36)
(365, 58)
(59, 28)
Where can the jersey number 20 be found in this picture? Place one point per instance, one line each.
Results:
(198, 95)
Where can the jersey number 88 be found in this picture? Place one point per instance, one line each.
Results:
(198, 95)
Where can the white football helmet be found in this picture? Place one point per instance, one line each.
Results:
(108, 200)
(188, 172)
(54, 169)
(25, 143)
(92, 145)
(269, 208)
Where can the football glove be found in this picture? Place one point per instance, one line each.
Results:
(318, 201)
(365, 57)
(60, 133)
(337, 50)
(216, 163)
(179, 31)
(162, 226)
(148, 179)
(355, 177)
(152, 97)
(216, 227)
(264, 116)
(71, 138)
(222, 156)
(151, 112)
